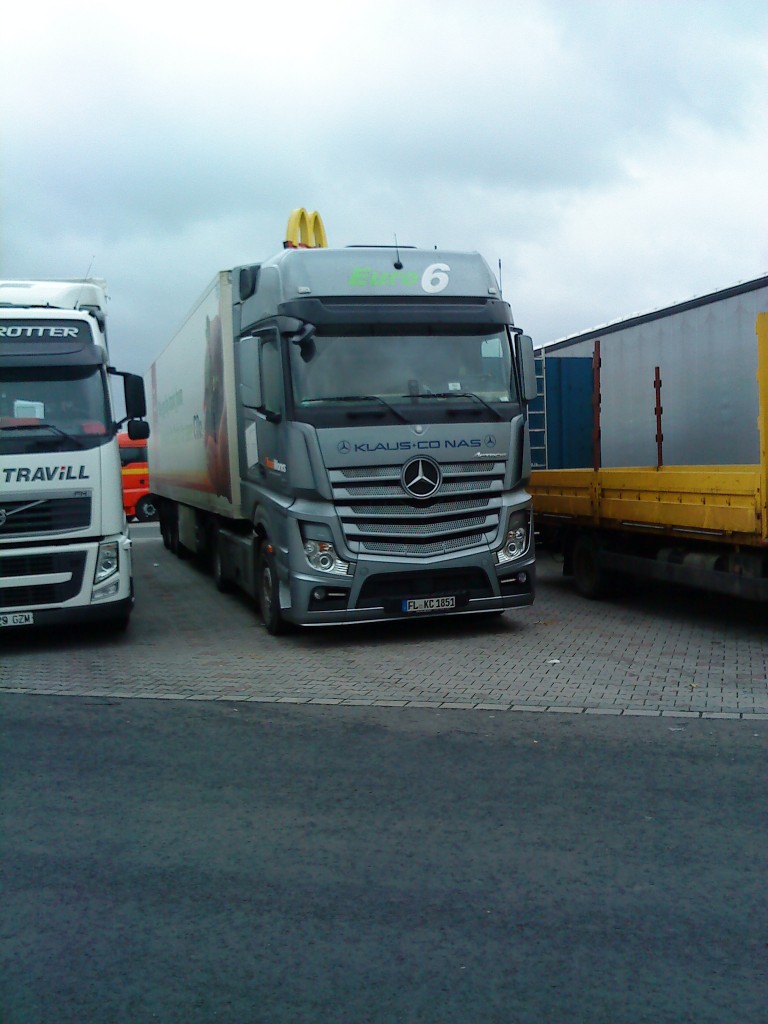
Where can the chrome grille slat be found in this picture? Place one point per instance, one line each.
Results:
(417, 529)
(448, 469)
(435, 509)
(423, 550)
(394, 490)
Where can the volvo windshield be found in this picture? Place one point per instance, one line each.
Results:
(410, 376)
(53, 409)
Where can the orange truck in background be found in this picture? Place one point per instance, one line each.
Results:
(137, 501)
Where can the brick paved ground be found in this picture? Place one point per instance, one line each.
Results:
(653, 652)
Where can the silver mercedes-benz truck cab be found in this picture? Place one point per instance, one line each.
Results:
(382, 438)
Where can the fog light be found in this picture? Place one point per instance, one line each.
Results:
(111, 590)
(319, 594)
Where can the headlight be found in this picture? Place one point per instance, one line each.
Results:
(321, 556)
(107, 561)
(516, 541)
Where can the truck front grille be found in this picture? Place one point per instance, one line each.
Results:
(30, 593)
(378, 516)
(23, 517)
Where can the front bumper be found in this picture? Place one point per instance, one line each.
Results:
(55, 583)
(379, 590)
(113, 613)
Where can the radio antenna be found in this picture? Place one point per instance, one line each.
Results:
(84, 279)
(398, 262)
(501, 289)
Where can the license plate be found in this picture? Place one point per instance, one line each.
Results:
(429, 604)
(17, 619)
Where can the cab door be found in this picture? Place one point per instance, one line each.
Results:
(262, 394)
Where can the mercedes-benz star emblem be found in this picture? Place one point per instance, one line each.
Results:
(344, 447)
(421, 477)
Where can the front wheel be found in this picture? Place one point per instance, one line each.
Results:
(269, 590)
(146, 510)
(217, 565)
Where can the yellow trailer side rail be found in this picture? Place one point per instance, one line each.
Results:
(719, 501)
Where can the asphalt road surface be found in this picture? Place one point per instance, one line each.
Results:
(555, 816)
(195, 861)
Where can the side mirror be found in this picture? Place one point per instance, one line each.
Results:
(135, 399)
(527, 367)
(248, 281)
(138, 430)
(302, 336)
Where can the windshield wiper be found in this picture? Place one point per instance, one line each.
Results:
(360, 398)
(462, 394)
(44, 426)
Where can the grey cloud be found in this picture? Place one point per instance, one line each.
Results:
(444, 123)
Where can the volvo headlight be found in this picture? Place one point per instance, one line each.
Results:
(107, 561)
(321, 556)
(516, 541)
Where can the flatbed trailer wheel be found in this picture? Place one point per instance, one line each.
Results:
(591, 579)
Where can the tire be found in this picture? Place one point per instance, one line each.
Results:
(591, 580)
(174, 544)
(268, 589)
(217, 569)
(165, 534)
(146, 510)
(173, 537)
(166, 522)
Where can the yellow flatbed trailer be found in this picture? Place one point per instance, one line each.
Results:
(704, 526)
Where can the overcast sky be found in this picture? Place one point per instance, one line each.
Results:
(612, 155)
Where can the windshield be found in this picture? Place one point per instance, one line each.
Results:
(398, 367)
(53, 409)
(130, 455)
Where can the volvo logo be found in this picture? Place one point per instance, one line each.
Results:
(421, 477)
(5, 513)
(344, 447)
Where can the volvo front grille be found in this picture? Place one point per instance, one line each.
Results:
(49, 515)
